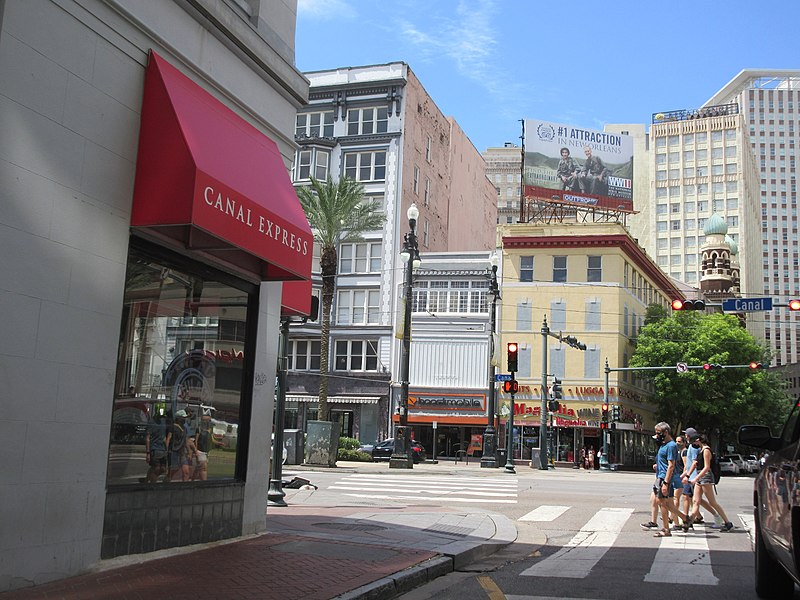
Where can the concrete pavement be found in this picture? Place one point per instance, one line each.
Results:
(312, 550)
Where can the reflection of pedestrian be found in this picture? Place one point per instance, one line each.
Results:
(567, 171)
(594, 176)
(179, 456)
(156, 448)
(203, 445)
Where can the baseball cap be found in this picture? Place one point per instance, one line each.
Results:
(691, 433)
(181, 413)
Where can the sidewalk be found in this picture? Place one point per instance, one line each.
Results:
(312, 550)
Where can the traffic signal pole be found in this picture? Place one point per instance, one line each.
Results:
(543, 461)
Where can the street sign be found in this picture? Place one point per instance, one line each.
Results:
(681, 367)
(502, 377)
(746, 304)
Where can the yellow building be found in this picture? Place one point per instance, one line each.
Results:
(594, 282)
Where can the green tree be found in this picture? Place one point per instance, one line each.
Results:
(338, 213)
(719, 399)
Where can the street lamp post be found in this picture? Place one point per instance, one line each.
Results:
(489, 456)
(275, 493)
(401, 455)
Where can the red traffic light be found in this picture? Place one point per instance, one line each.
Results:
(756, 365)
(688, 304)
(513, 349)
(605, 407)
(794, 304)
(711, 366)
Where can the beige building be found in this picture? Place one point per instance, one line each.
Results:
(504, 170)
(594, 282)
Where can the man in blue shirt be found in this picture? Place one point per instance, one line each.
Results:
(667, 479)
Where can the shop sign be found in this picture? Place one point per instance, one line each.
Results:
(445, 402)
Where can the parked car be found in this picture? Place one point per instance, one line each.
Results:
(753, 461)
(740, 462)
(777, 553)
(383, 450)
(728, 465)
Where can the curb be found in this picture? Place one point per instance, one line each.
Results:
(402, 582)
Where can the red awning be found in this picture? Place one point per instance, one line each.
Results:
(213, 182)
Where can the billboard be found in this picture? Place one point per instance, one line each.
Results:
(582, 167)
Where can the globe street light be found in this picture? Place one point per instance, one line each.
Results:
(401, 455)
(489, 456)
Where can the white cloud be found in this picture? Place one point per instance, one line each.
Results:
(325, 10)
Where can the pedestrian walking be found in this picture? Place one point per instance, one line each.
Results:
(667, 479)
(689, 468)
(704, 482)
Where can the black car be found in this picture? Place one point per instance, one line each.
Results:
(777, 507)
(383, 450)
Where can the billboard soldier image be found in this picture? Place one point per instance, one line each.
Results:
(594, 176)
(568, 171)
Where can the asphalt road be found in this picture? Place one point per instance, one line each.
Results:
(579, 532)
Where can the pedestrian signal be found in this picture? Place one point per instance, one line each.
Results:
(511, 387)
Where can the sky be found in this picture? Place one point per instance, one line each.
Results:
(586, 63)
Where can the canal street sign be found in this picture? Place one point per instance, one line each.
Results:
(746, 304)
(502, 377)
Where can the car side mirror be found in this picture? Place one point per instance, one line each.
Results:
(758, 436)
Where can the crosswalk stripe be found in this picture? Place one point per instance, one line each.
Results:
(544, 513)
(412, 490)
(586, 548)
(461, 481)
(682, 559)
(418, 498)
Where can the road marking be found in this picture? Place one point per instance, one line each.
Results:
(586, 548)
(545, 513)
(413, 490)
(683, 559)
(436, 498)
(491, 589)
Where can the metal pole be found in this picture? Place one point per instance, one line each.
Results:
(489, 455)
(510, 438)
(401, 455)
(605, 431)
(275, 493)
(543, 411)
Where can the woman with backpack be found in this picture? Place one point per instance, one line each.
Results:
(704, 482)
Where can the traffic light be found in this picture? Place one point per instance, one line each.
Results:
(605, 412)
(756, 365)
(554, 406)
(794, 304)
(688, 305)
(615, 413)
(557, 389)
(604, 425)
(513, 349)
(711, 366)
(511, 387)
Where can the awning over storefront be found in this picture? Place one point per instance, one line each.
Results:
(208, 179)
(334, 399)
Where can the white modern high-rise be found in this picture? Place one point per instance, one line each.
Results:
(699, 164)
(769, 103)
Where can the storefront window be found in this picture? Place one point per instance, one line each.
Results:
(179, 382)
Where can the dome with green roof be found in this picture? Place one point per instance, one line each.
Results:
(715, 226)
(734, 246)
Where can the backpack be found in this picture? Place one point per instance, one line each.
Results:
(715, 471)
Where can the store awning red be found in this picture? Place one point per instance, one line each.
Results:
(209, 180)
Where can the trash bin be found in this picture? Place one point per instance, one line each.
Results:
(536, 461)
(294, 442)
(502, 457)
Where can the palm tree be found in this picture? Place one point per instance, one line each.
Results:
(337, 214)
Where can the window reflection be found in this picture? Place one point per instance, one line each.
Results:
(179, 376)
